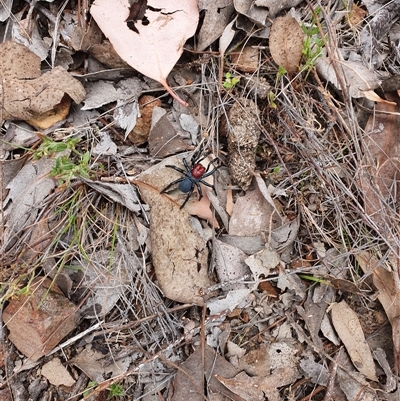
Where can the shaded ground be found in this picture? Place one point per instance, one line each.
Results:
(280, 283)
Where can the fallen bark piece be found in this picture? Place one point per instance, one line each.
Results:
(40, 320)
(56, 373)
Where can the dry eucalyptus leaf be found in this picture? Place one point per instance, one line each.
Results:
(155, 47)
(261, 263)
(229, 262)
(216, 18)
(349, 329)
(5, 9)
(353, 383)
(252, 214)
(27, 190)
(97, 365)
(253, 12)
(124, 194)
(316, 372)
(384, 281)
(180, 254)
(192, 390)
(105, 282)
(286, 43)
(239, 298)
(260, 388)
(164, 139)
(25, 93)
(140, 133)
(357, 78)
(284, 236)
(275, 6)
(75, 35)
(247, 60)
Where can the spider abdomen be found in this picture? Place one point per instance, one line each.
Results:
(185, 185)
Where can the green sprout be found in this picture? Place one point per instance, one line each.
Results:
(116, 390)
(91, 386)
(230, 81)
(65, 169)
(271, 99)
(313, 43)
(49, 147)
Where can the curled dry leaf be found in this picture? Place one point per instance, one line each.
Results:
(243, 136)
(260, 388)
(141, 131)
(213, 364)
(26, 94)
(180, 254)
(286, 43)
(152, 48)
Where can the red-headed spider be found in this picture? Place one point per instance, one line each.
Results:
(192, 177)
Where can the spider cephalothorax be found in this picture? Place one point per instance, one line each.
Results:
(192, 177)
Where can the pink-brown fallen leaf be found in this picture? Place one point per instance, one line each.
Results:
(156, 46)
(201, 208)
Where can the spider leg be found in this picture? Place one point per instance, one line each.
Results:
(187, 198)
(176, 168)
(199, 189)
(209, 185)
(194, 159)
(186, 165)
(211, 163)
(210, 172)
(172, 183)
(206, 184)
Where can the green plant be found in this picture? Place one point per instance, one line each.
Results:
(271, 98)
(48, 147)
(65, 168)
(91, 385)
(281, 72)
(313, 43)
(230, 81)
(116, 390)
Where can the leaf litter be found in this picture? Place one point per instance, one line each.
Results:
(283, 284)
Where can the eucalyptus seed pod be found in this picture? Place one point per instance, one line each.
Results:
(243, 136)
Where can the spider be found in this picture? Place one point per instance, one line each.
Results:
(192, 177)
